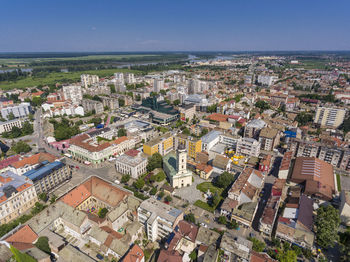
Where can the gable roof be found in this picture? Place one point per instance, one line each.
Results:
(23, 238)
(33, 160)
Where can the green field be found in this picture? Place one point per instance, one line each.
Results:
(25, 61)
(203, 187)
(58, 77)
(338, 182)
(203, 205)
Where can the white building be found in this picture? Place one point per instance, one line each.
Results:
(210, 140)
(248, 146)
(158, 218)
(72, 93)
(131, 163)
(329, 117)
(119, 78)
(8, 125)
(267, 80)
(17, 195)
(21, 110)
(87, 80)
(130, 78)
(158, 85)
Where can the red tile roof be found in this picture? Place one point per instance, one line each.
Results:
(23, 238)
(33, 160)
(135, 254)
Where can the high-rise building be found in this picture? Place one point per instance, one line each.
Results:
(329, 117)
(72, 93)
(119, 77)
(158, 85)
(130, 78)
(158, 218)
(87, 80)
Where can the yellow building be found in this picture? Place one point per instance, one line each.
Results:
(193, 145)
(162, 145)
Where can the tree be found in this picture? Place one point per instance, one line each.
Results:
(176, 102)
(27, 128)
(263, 105)
(161, 194)
(10, 116)
(102, 212)
(346, 125)
(303, 118)
(212, 108)
(232, 225)
(112, 88)
(43, 244)
(53, 199)
(190, 218)
(122, 132)
(96, 121)
(163, 92)
(139, 183)
(215, 200)
(168, 198)
(258, 245)
(125, 179)
(43, 197)
(224, 180)
(153, 191)
(121, 102)
(222, 220)
(21, 147)
(155, 161)
(37, 101)
(287, 256)
(193, 255)
(327, 223)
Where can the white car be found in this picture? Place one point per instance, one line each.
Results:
(117, 181)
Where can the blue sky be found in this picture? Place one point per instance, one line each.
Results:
(173, 25)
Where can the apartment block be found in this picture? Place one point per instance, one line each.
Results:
(329, 117)
(17, 195)
(72, 93)
(90, 105)
(162, 145)
(269, 138)
(158, 218)
(8, 125)
(248, 146)
(193, 145)
(47, 175)
(87, 80)
(110, 102)
(187, 112)
(21, 110)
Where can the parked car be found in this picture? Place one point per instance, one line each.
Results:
(99, 256)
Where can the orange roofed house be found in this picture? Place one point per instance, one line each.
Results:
(28, 163)
(17, 195)
(316, 175)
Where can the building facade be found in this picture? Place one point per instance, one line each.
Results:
(131, 163)
(329, 117)
(49, 175)
(17, 195)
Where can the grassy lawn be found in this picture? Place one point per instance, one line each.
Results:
(203, 187)
(338, 182)
(58, 77)
(203, 205)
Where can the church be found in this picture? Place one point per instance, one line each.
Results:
(175, 167)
